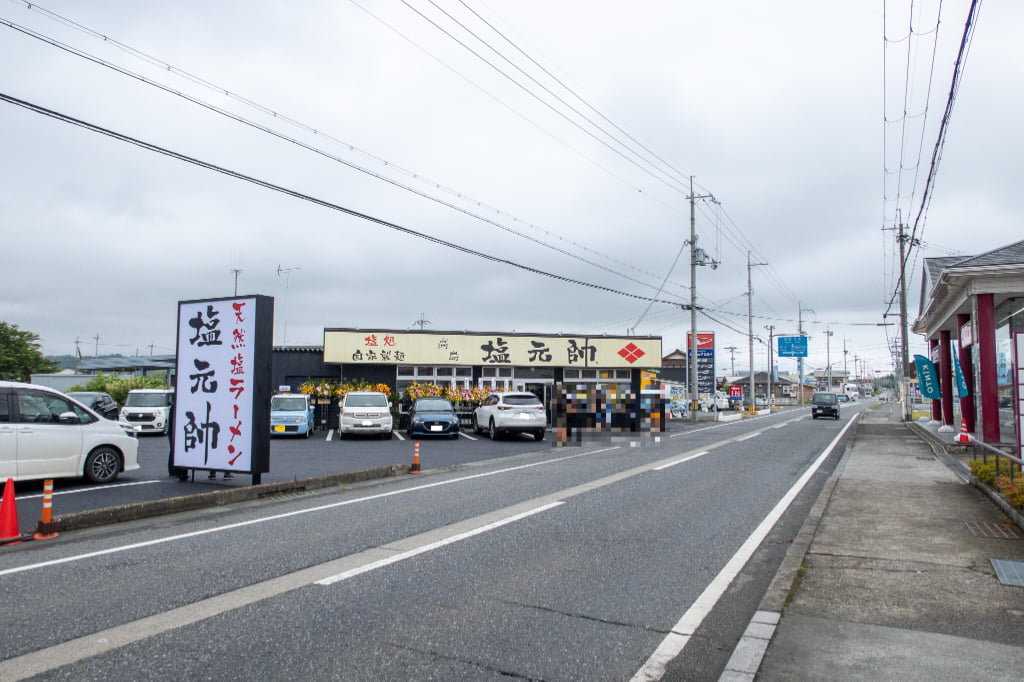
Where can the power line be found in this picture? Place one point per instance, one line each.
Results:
(270, 131)
(305, 197)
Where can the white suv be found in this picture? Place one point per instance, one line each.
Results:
(504, 413)
(365, 412)
(45, 434)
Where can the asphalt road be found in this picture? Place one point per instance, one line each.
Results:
(546, 564)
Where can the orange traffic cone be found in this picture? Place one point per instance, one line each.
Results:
(963, 438)
(46, 528)
(9, 533)
(415, 468)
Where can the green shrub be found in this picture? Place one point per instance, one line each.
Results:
(118, 387)
(984, 471)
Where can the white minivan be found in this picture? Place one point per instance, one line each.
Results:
(45, 434)
(365, 412)
(148, 409)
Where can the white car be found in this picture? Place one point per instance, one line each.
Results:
(365, 412)
(46, 434)
(504, 413)
(148, 410)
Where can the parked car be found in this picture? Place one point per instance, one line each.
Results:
(45, 434)
(825, 404)
(432, 417)
(504, 413)
(148, 409)
(100, 403)
(365, 412)
(291, 414)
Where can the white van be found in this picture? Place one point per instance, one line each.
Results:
(365, 412)
(148, 409)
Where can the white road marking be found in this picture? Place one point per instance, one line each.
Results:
(680, 461)
(98, 488)
(748, 436)
(683, 630)
(408, 554)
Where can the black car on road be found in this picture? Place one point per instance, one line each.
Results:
(825, 405)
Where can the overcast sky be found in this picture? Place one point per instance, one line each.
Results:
(393, 110)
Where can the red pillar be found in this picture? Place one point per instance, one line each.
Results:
(967, 367)
(946, 378)
(936, 404)
(986, 348)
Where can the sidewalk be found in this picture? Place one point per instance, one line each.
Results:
(891, 576)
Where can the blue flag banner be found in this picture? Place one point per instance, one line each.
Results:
(927, 378)
(961, 383)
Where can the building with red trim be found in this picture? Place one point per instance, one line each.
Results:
(973, 307)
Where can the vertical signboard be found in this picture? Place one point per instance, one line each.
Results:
(705, 361)
(222, 392)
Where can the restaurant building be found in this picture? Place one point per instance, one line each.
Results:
(972, 315)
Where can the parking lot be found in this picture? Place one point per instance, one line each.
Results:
(290, 458)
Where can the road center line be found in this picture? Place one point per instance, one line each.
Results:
(408, 554)
(680, 461)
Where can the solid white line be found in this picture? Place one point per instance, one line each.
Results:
(683, 630)
(680, 461)
(330, 435)
(93, 489)
(275, 517)
(374, 565)
(748, 436)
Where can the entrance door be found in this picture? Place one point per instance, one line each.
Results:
(540, 389)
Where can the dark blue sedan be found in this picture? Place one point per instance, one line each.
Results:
(432, 417)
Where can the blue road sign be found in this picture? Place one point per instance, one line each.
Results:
(792, 346)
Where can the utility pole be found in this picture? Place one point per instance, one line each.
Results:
(732, 360)
(422, 322)
(237, 272)
(697, 257)
(828, 360)
(800, 330)
(752, 408)
(96, 353)
(287, 276)
(771, 365)
(904, 347)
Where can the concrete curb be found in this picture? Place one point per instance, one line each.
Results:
(215, 498)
